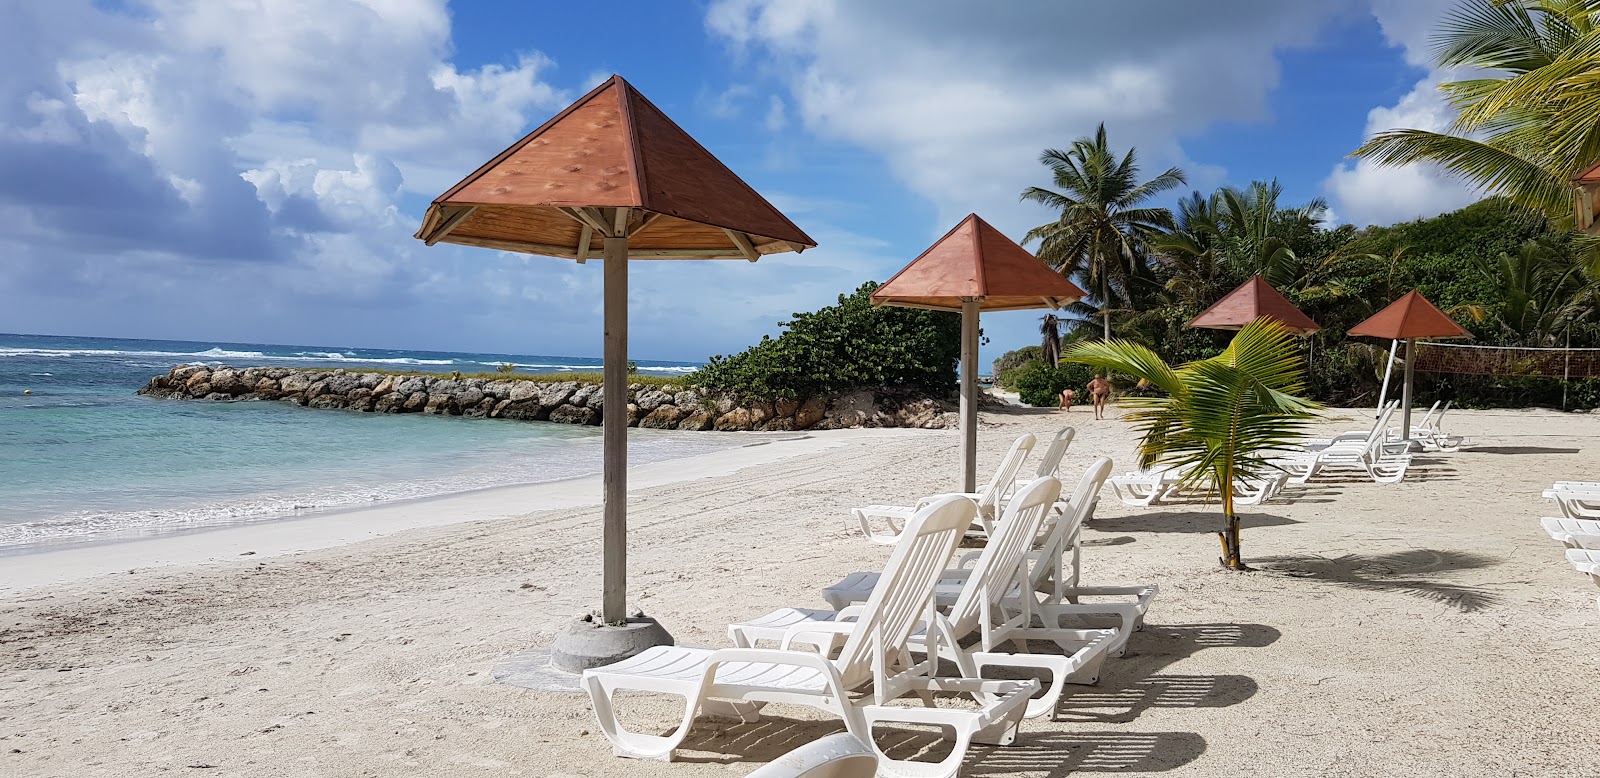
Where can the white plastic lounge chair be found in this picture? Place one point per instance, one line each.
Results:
(987, 606)
(1578, 499)
(836, 756)
(1379, 427)
(1050, 576)
(740, 681)
(1428, 433)
(988, 499)
(1056, 564)
(1573, 533)
(1383, 462)
(1144, 488)
(1586, 561)
(1050, 462)
(1150, 487)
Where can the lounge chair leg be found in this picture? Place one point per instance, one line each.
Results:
(632, 744)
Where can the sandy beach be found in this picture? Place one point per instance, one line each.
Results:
(1428, 628)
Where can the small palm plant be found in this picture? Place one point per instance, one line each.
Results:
(1219, 419)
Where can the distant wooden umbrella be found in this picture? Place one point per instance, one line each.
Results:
(973, 268)
(611, 178)
(1409, 318)
(1254, 299)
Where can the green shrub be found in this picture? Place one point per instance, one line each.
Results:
(841, 347)
(506, 367)
(1040, 385)
(1008, 363)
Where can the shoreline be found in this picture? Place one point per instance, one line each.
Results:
(50, 564)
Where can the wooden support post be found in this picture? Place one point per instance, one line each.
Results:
(615, 420)
(1405, 395)
(969, 394)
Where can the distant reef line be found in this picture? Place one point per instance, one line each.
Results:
(653, 404)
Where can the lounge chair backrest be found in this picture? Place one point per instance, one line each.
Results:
(1427, 419)
(1381, 428)
(989, 496)
(904, 591)
(1078, 508)
(995, 572)
(1051, 461)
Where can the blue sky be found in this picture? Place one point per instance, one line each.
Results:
(252, 171)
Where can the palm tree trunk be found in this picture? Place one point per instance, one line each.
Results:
(1232, 558)
(1105, 302)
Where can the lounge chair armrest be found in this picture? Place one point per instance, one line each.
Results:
(968, 558)
(801, 631)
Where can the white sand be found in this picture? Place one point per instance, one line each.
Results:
(1422, 629)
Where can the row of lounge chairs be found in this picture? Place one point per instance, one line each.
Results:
(1578, 526)
(1382, 453)
(1016, 603)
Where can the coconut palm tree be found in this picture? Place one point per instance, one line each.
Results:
(1102, 223)
(1220, 418)
(1050, 339)
(1529, 112)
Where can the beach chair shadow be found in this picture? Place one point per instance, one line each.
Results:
(1196, 521)
(1071, 753)
(1522, 450)
(1419, 572)
(1122, 705)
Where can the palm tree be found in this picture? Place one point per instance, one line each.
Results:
(1541, 289)
(1220, 418)
(1529, 117)
(1050, 339)
(1102, 225)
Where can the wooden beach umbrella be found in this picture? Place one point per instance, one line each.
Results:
(611, 178)
(1409, 318)
(1254, 299)
(973, 268)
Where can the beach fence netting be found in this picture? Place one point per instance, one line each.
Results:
(1468, 359)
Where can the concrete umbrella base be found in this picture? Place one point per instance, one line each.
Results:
(587, 643)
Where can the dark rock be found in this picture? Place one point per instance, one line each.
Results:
(785, 407)
(391, 402)
(441, 404)
(633, 415)
(700, 419)
(214, 396)
(651, 400)
(581, 395)
(810, 412)
(524, 410)
(736, 420)
(479, 410)
(295, 382)
(267, 386)
(664, 417)
(415, 402)
(573, 414)
(228, 381)
(327, 401)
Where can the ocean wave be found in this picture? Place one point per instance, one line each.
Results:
(574, 368)
(218, 354)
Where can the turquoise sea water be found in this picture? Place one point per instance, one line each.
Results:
(84, 458)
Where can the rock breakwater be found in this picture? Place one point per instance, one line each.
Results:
(532, 399)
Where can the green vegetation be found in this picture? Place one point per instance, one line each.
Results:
(1528, 116)
(1038, 384)
(842, 347)
(1218, 419)
(1102, 222)
(506, 367)
(582, 377)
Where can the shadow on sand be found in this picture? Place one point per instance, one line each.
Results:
(1417, 572)
(1522, 450)
(1130, 686)
(1196, 521)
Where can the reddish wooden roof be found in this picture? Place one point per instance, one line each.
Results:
(1411, 316)
(1590, 176)
(975, 260)
(612, 148)
(1254, 299)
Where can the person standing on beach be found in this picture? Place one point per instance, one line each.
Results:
(1067, 396)
(1099, 390)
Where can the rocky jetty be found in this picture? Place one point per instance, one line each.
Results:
(530, 399)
